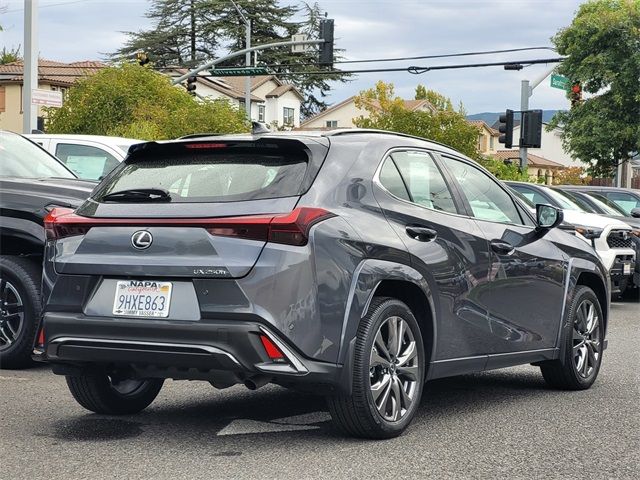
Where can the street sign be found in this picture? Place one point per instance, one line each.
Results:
(47, 98)
(560, 81)
(300, 48)
(239, 72)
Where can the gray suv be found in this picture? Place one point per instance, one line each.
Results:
(356, 264)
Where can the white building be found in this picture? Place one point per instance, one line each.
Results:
(342, 114)
(551, 147)
(272, 102)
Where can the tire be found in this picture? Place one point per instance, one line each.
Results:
(582, 353)
(358, 414)
(20, 279)
(99, 394)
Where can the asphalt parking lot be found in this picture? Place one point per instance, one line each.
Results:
(499, 424)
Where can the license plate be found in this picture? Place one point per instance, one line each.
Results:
(136, 298)
(626, 269)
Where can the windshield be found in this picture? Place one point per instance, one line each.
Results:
(565, 202)
(219, 175)
(21, 158)
(570, 196)
(607, 206)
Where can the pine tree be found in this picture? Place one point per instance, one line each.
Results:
(191, 32)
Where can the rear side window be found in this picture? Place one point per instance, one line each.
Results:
(86, 161)
(626, 201)
(215, 175)
(419, 178)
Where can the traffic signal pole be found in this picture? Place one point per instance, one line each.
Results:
(247, 79)
(526, 90)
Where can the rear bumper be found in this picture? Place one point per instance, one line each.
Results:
(223, 352)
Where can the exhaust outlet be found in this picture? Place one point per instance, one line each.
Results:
(257, 381)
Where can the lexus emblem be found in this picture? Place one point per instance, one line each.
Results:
(141, 239)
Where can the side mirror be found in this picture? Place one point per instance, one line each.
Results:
(635, 212)
(548, 217)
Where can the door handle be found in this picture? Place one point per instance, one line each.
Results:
(501, 247)
(422, 234)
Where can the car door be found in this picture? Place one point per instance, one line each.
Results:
(448, 249)
(525, 294)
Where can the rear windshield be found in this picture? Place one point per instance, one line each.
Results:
(211, 176)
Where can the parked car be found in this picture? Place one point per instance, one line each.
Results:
(90, 157)
(356, 264)
(600, 205)
(610, 237)
(31, 183)
(626, 198)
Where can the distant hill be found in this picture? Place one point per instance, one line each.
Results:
(492, 117)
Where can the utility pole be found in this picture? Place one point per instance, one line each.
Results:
(247, 80)
(30, 66)
(526, 90)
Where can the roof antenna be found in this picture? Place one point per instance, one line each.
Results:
(258, 128)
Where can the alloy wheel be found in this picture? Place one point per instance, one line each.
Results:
(394, 369)
(11, 314)
(586, 339)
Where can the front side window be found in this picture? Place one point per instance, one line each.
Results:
(487, 199)
(626, 201)
(418, 180)
(288, 114)
(87, 162)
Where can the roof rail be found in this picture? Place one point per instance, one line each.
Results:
(353, 131)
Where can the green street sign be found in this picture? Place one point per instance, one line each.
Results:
(239, 72)
(560, 81)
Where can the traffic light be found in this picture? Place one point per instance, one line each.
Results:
(142, 58)
(575, 95)
(506, 129)
(191, 84)
(326, 48)
(531, 129)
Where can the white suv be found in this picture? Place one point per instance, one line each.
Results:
(90, 157)
(610, 238)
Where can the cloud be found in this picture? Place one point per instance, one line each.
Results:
(365, 29)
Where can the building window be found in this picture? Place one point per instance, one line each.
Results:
(331, 124)
(261, 113)
(491, 143)
(288, 114)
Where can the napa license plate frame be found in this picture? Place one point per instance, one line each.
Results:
(142, 298)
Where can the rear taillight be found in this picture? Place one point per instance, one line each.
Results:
(56, 228)
(290, 229)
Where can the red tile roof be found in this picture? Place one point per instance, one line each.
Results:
(533, 160)
(51, 72)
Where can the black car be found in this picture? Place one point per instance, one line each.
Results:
(355, 264)
(32, 182)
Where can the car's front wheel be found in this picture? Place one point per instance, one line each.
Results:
(583, 345)
(112, 395)
(388, 374)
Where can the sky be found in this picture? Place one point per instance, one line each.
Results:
(73, 30)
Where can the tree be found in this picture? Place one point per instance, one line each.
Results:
(572, 176)
(602, 46)
(137, 102)
(442, 123)
(421, 92)
(189, 33)
(9, 55)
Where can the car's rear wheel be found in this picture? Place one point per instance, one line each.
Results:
(112, 395)
(19, 309)
(388, 374)
(583, 348)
